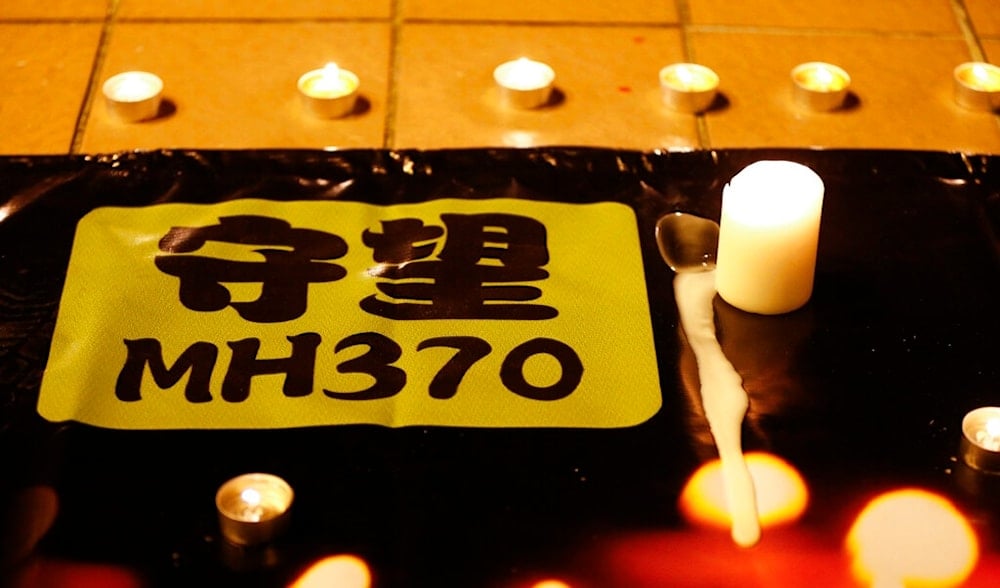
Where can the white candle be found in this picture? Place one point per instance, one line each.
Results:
(524, 83)
(977, 85)
(253, 508)
(768, 236)
(981, 438)
(133, 96)
(820, 86)
(329, 92)
(688, 87)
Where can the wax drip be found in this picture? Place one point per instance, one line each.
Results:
(723, 398)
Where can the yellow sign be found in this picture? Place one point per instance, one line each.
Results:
(264, 314)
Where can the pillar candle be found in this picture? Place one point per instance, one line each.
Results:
(768, 236)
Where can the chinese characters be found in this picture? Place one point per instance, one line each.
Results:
(292, 261)
(479, 272)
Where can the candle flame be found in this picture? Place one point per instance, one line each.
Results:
(824, 76)
(329, 82)
(982, 77)
(989, 436)
(133, 86)
(979, 72)
(685, 76)
(912, 537)
(689, 77)
(251, 497)
(252, 511)
(525, 74)
(821, 77)
(993, 427)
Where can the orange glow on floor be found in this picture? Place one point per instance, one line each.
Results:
(551, 584)
(337, 571)
(781, 492)
(912, 537)
(786, 557)
(48, 573)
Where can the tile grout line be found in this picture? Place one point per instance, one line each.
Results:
(392, 91)
(183, 20)
(83, 116)
(684, 21)
(590, 24)
(968, 31)
(821, 32)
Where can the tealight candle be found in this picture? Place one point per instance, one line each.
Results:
(980, 445)
(977, 85)
(820, 86)
(329, 92)
(768, 237)
(688, 87)
(253, 508)
(133, 96)
(524, 83)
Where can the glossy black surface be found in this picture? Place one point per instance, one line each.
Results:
(862, 390)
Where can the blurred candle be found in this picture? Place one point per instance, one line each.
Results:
(977, 85)
(688, 87)
(780, 492)
(768, 236)
(980, 445)
(133, 96)
(338, 571)
(820, 86)
(912, 537)
(329, 92)
(253, 508)
(524, 83)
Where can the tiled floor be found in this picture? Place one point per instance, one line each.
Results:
(230, 68)
(232, 85)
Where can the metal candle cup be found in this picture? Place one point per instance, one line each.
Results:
(820, 86)
(133, 96)
(253, 508)
(524, 83)
(980, 445)
(688, 87)
(329, 92)
(977, 85)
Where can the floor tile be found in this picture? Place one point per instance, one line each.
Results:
(53, 9)
(903, 90)
(44, 70)
(985, 16)
(230, 67)
(233, 85)
(606, 80)
(631, 11)
(992, 49)
(253, 9)
(897, 15)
